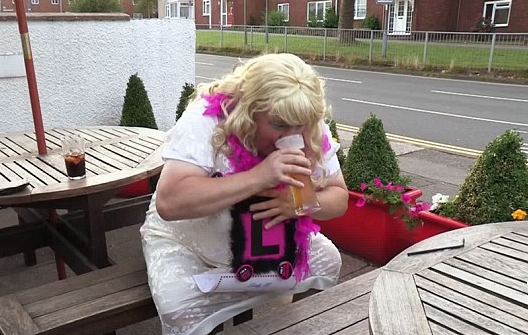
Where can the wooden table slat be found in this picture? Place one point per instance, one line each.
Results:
(43, 176)
(516, 237)
(485, 280)
(442, 297)
(474, 236)
(51, 143)
(116, 132)
(123, 152)
(438, 329)
(51, 169)
(10, 148)
(130, 149)
(92, 132)
(394, 300)
(508, 248)
(451, 322)
(102, 160)
(21, 172)
(469, 290)
(497, 262)
(127, 162)
(145, 143)
(8, 173)
(21, 143)
(492, 325)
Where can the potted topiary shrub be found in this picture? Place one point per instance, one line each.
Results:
(381, 203)
(495, 190)
(137, 112)
(185, 96)
(335, 136)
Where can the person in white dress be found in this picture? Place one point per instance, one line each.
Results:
(187, 228)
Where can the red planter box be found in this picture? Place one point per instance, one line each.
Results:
(434, 224)
(370, 231)
(136, 189)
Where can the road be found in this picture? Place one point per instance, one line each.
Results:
(457, 115)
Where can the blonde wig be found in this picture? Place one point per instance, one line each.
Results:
(282, 85)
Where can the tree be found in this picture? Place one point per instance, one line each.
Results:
(96, 6)
(148, 8)
(137, 110)
(346, 21)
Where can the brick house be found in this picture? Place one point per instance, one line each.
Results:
(404, 15)
(55, 6)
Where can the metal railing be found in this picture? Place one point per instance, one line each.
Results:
(450, 51)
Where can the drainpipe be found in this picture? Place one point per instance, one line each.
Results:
(458, 16)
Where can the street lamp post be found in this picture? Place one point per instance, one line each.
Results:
(245, 22)
(266, 23)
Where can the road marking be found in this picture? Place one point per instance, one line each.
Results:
(342, 80)
(436, 113)
(428, 144)
(203, 63)
(420, 143)
(479, 96)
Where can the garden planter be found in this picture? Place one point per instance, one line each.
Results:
(434, 224)
(370, 231)
(136, 189)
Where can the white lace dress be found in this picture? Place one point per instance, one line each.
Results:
(176, 250)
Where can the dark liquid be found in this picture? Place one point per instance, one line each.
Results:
(75, 165)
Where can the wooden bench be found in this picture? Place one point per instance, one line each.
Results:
(342, 309)
(94, 303)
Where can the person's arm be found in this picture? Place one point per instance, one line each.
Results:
(333, 199)
(186, 191)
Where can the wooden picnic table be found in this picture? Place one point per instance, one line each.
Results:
(115, 157)
(480, 288)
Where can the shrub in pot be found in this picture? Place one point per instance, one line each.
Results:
(495, 189)
(379, 198)
(137, 112)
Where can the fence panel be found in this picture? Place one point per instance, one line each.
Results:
(451, 51)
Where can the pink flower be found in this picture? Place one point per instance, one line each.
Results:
(360, 202)
(390, 187)
(405, 198)
(363, 186)
(378, 183)
(399, 188)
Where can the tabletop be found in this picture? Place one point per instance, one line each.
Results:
(480, 288)
(115, 156)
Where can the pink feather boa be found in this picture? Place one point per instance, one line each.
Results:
(242, 160)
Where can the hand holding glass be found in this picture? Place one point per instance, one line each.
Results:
(73, 153)
(304, 199)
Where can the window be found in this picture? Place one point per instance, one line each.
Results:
(498, 12)
(284, 8)
(360, 9)
(206, 7)
(317, 10)
(54, 2)
(34, 2)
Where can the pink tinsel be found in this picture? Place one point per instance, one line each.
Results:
(214, 104)
(241, 160)
(304, 227)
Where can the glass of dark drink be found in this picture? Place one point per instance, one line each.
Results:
(73, 153)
